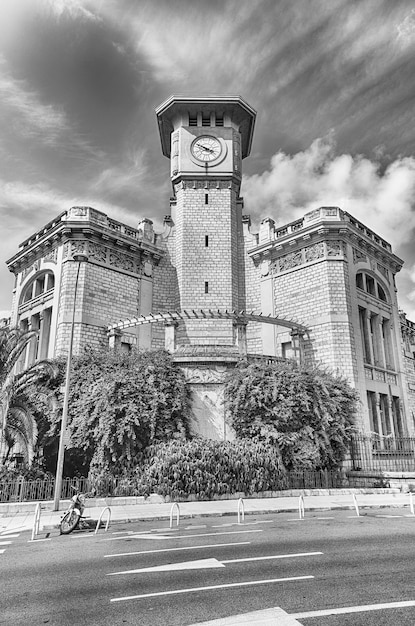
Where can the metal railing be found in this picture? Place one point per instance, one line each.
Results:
(377, 453)
(22, 490)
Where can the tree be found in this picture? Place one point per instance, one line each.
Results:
(16, 415)
(121, 403)
(307, 413)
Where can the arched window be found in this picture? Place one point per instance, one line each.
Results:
(368, 283)
(41, 284)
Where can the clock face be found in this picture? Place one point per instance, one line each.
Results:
(206, 148)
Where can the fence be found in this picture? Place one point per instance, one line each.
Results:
(378, 453)
(21, 490)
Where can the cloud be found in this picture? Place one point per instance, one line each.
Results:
(383, 200)
(406, 29)
(124, 177)
(33, 120)
(38, 203)
(71, 8)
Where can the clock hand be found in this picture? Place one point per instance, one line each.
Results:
(205, 147)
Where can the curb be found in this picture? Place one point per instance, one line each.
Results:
(166, 517)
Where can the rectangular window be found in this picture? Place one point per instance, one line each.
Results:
(373, 414)
(206, 286)
(370, 286)
(384, 415)
(192, 119)
(365, 336)
(387, 343)
(206, 198)
(375, 340)
(206, 241)
(396, 416)
(205, 119)
(219, 120)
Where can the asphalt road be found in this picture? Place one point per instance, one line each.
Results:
(146, 574)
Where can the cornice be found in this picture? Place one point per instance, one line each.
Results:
(320, 232)
(42, 242)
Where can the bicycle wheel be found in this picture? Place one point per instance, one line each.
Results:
(69, 522)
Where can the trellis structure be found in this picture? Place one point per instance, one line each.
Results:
(240, 320)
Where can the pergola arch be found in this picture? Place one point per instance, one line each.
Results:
(240, 320)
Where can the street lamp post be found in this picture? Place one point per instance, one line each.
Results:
(61, 450)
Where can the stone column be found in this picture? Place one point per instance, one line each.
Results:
(114, 338)
(297, 345)
(170, 335)
(241, 337)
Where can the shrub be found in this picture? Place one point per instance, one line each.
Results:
(210, 468)
(307, 413)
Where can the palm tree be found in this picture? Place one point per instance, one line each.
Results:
(16, 419)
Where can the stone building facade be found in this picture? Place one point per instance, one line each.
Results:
(210, 290)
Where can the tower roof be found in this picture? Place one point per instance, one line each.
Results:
(240, 112)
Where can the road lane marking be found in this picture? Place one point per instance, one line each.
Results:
(354, 609)
(275, 556)
(209, 563)
(1, 551)
(201, 564)
(195, 527)
(5, 543)
(231, 532)
(265, 521)
(7, 535)
(212, 545)
(248, 583)
(143, 536)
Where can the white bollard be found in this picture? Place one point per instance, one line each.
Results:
(36, 521)
(411, 503)
(301, 507)
(356, 506)
(177, 514)
(241, 510)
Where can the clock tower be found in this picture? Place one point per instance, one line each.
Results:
(206, 140)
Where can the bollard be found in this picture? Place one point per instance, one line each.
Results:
(241, 510)
(36, 521)
(301, 507)
(107, 508)
(177, 514)
(356, 506)
(411, 503)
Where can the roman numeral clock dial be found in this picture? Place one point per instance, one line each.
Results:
(206, 149)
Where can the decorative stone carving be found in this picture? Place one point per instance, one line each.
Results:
(78, 211)
(311, 253)
(78, 247)
(51, 256)
(383, 271)
(330, 211)
(97, 252)
(202, 375)
(122, 261)
(289, 261)
(334, 248)
(359, 256)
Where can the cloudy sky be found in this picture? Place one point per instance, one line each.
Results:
(332, 81)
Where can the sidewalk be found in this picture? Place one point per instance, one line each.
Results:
(20, 516)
